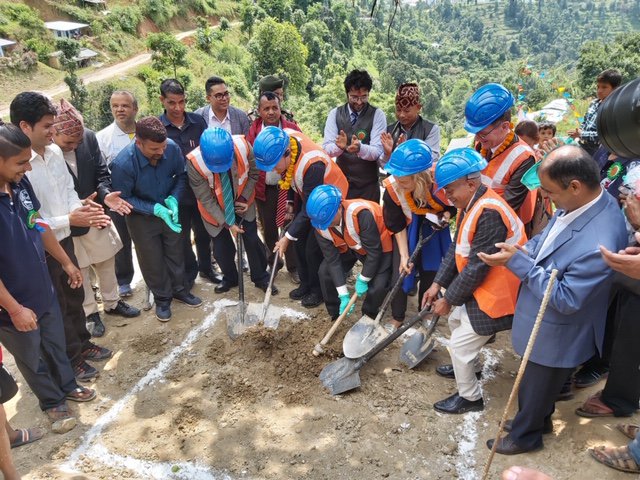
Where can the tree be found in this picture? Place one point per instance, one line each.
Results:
(277, 48)
(278, 9)
(168, 52)
(70, 49)
(248, 17)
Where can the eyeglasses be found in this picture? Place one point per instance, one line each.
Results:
(486, 134)
(355, 98)
(220, 96)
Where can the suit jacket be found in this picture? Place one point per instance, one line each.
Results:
(461, 285)
(572, 328)
(239, 120)
(209, 201)
(93, 174)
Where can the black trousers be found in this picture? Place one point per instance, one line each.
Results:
(270, 232)
(399, 302)
(41, 357)
(536, 402)
(225, 253)
(622, 390)
(160, 256)
(368, 192)
(378, 286)
(70, 300)
(191, 220)
(124, 258)
(309, 257)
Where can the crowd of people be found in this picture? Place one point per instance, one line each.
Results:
(522, 204)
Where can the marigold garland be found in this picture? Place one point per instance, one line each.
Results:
(434, 207)
(285, 184)
(507, 141)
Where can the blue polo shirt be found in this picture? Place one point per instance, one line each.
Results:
(142, 184)
(187, 137)
(23, 262)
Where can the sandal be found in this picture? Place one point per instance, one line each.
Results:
(628, 430)
(81, 394)
(26, 435)
(62, 419)
(616, 457)
(594, 407)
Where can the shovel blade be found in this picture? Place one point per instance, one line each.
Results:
(365, 334)
(416, 349)
(341, 376)
(236, 326)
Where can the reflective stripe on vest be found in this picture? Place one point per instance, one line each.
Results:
(242, 149)
(507, 164)
(337, 241)
(352, 231)
(397, 195)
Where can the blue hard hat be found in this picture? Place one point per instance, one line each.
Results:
(412, 156)
(458, 163)
(216, 147)
(323, 204)
(269, 147)
(485, 106)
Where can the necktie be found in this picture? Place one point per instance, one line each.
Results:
(354, 118)
(281, 205)
(227, 198)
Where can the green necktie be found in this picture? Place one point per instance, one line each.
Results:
(227, 197)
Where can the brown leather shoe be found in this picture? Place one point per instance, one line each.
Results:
(506, 446)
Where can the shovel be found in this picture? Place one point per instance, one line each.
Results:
(236, 325)
(418, 346)
(343, 374)
(318, 349)
(367, 332)
(267, 296)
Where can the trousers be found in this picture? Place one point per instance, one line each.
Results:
(124, 257)
(191, 220)
(106, 276)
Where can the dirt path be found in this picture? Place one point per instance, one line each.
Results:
(182, 401)
(103, 74)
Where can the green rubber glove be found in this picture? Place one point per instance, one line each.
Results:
(361, 286)
(344, 301)
(164, 213)
(172, 204)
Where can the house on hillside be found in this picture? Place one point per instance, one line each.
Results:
(85, 57)
(63, 29)
(6, 46)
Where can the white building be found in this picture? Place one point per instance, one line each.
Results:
(62, 29)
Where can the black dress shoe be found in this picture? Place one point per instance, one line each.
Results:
(224, 286)
(456, 404)
(298, 293)
(446, 371)
(264, 286)
(506, 446)
(587, 376)
(212, 276)
(546, 428)
(123, 309)
(312, 300)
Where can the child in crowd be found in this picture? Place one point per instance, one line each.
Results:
(547, 131)
(527, 130)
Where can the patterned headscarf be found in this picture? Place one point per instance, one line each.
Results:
(69, 120)
(408, 95)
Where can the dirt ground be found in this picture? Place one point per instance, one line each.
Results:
(181, 400)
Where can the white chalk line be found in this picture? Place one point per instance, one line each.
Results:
(468, 431)
(149, 469)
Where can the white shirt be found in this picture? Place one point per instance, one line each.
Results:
(214, 122)
(372, 152)
(72, 162)
(112, 140)
(53, 185)
(562, 222)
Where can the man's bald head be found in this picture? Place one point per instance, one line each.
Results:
(568, 163)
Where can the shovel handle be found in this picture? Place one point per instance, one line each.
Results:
(267, 296)
(317, 350)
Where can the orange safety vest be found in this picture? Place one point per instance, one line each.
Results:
(351, 228)
(500, 169)
(241, 149)
(310, 154)
(498, 292)
(434, 203)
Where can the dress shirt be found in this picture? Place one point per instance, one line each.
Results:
(72, 162)
(142, 184)
(373, 151)
(112, 140)
(53, 185)
(187, 136)
(563, 221)
(214, 122)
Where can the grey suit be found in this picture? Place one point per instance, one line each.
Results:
(239, 120)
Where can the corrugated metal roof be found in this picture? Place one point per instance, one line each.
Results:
(63, 26)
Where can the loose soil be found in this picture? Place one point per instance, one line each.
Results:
(254, 408)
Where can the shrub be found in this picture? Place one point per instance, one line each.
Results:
(41, 48)
(160, 11)
(128, 19)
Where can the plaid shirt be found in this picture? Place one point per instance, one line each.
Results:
(460, 286)
(589, 128)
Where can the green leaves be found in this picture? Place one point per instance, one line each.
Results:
(168, 52)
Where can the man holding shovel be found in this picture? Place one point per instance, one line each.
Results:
(348, 231)
(484, 297)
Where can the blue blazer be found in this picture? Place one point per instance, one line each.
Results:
(572, 328)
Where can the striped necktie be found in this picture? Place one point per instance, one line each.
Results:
(227, 198)
(354, 118)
